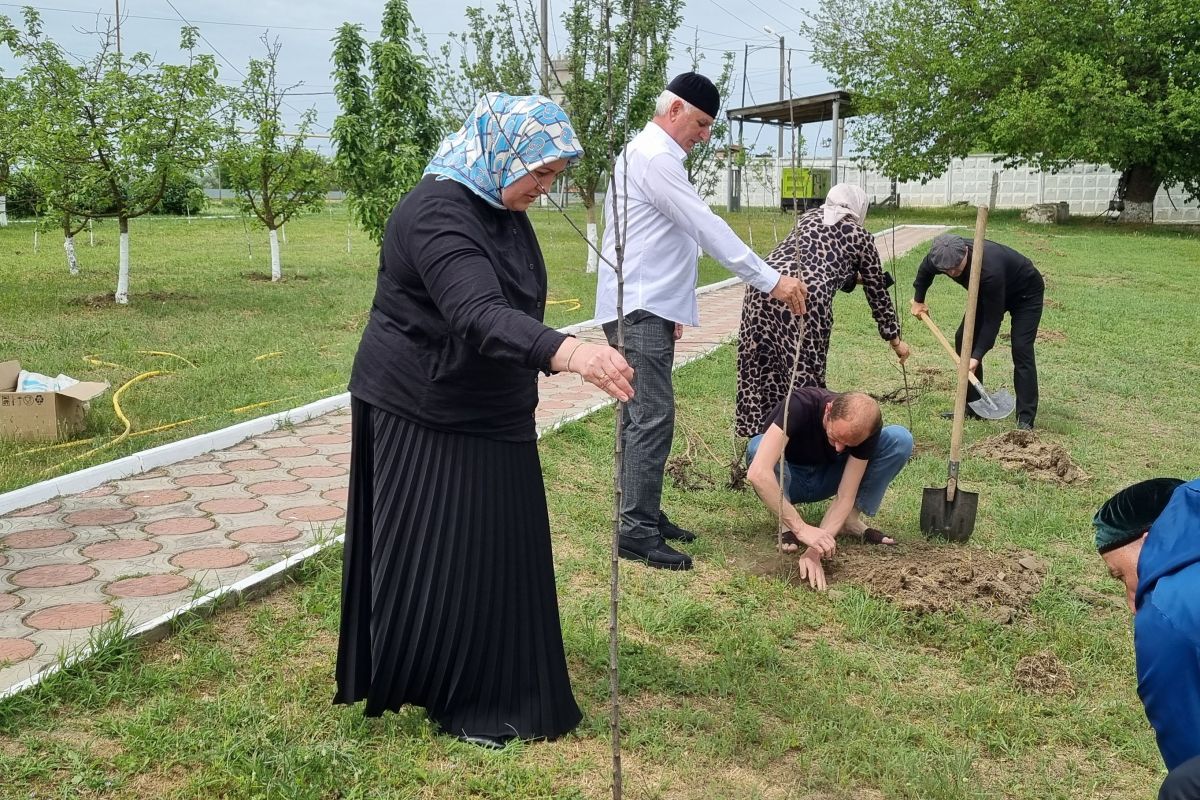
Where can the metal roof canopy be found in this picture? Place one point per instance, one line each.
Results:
(833, 107)
(801, 110)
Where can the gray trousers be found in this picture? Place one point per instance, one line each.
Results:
(648, 421)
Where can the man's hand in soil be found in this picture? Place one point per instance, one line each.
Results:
(810, 569)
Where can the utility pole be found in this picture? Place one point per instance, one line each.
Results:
(545, 34)
(118, 2)
(781, 96)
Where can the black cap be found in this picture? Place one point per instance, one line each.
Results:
(697, 90)
(1129, 512)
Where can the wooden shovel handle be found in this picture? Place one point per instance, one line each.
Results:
(960, 397)
(937, 332)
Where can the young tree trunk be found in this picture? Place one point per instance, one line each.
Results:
(276, 272)
(3, 211)
(69, 245)
(122, 295)
(593, 259)
(72, 261)
(1141, 184)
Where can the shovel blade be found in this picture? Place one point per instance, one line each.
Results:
(1000, 406)
(954, 519)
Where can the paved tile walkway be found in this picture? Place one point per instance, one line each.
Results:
(147, 545)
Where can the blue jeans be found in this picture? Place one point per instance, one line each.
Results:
(809, 483)
(648, 424)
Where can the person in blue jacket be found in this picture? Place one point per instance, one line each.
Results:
(1149, 536)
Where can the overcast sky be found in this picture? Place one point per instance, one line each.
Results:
(231, 31)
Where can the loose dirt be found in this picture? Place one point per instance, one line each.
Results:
(1025, 450)
(1043, 674)
(926, 577)
(1043, 335)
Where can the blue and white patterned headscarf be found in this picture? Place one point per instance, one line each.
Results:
(504, 137)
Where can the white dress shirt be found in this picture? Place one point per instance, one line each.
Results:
(666, 220)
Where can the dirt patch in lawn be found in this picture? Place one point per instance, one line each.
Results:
(1043, 674)
(1043, 335)
(927, 577)
(1026, 451)
(108, 301)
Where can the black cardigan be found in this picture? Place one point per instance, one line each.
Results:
(455, 337)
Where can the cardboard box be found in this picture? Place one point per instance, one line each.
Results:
(42, 416)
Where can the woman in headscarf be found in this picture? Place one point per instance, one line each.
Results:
(828, 249)
(448, 594)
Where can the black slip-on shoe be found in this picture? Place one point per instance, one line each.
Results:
(670, 530)
(653, 553)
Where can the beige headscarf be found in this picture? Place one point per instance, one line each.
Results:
(844, 199)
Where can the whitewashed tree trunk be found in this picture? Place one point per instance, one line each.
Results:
(91, 235)
(72, 261)
(3, 211)
(122, 295)
(593, 261)
(283, 233)
(35, 240)
(276, 272)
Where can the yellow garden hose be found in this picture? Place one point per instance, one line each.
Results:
(128, 432)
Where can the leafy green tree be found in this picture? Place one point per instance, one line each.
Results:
(703, 161)
(110, 129)
(386, 132)
(1045, 84)
(617, 56)
(13, 108)
(273, 173)
(497, 52)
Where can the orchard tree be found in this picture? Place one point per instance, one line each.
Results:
(272, 173)
(1044, 84)
(498, 52)
(13, 109)
(617, 57)
(113, 127)
(386, 132)
(704, 161)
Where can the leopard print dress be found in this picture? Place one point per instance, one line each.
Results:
(823, 257)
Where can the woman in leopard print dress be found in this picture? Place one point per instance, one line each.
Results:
(828, 245)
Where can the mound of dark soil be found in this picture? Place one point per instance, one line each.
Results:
(1025, 450)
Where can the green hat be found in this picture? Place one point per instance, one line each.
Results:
(1131, 511)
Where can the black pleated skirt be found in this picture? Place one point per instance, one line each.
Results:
(448, 595)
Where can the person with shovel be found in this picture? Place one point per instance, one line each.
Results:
(1009, 283)
(835, 445)
(1149, 537)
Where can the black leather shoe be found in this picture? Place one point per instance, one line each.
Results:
(653, 553)
(1024, 424)
(969, 415)
(670, 530)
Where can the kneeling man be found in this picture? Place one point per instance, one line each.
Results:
(835, 445)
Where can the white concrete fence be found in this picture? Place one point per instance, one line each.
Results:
(1087, 188)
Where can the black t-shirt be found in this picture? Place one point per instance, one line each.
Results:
(455, 337)
(807, 441)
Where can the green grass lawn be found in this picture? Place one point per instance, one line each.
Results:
(199, 293)
(736, 684)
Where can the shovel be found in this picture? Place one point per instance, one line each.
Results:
(988, 406)
(950, 512)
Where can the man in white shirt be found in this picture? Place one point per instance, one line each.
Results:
(662, 219)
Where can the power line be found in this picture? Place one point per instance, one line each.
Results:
(226, 60)
(198, 22)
